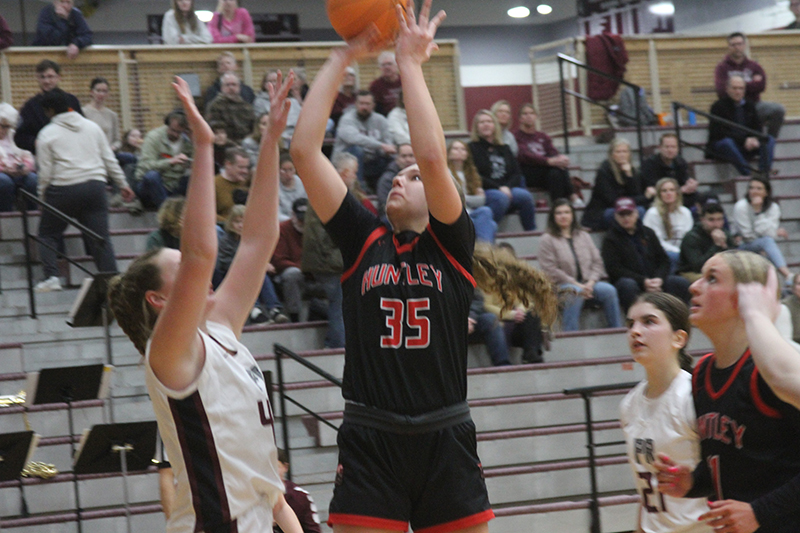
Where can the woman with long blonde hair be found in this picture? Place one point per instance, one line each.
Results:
(231, 23)
(668, 218)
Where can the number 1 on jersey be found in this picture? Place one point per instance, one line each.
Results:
(419, 326)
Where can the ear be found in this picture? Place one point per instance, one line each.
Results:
(155, 300)
(679, 339)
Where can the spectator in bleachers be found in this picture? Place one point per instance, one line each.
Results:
(75, 162)
(232, 183)
(226, 62)
(794, 5)
(231, 24)
(706, 239)
(261, 103)
(757, 219)
(181, 25)
(501, 110)
(627, 108)
(402, 159)
(97, 112)
(733, 144)
(6, 37)
(286, 260)
(365, 133)
(347, 167)
(229, 108)
(635, 260)
(299, 500)
(387, 87)
(252, 143)
(570, 258)
(737, 64)
(170, 224)
(32, 117)
(17, 167)
(484, 327)
(398, 122)
(459, 161)
(616, 178)
(540, 162)
(62, 24)
(500, 175)
(668, 163)
(669, 218)
(163, 166)
(132, 141)
(347, 95)
(792, 303)
(268, 307)
(291, 188)
(221, 144)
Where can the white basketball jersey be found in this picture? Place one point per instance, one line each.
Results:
(218, 435)
(666, 424)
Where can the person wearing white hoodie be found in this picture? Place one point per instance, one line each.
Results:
(75, 163)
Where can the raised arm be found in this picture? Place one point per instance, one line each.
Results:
(176, 355)
(414, 47)
(239, 290)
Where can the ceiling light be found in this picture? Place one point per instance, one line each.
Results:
(544, 9)
(663, 9)
(204, 16)
(519, 12)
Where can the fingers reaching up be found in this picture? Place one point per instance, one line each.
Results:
(415, 38)
(279, 109)
(201, 131)
(755, 298)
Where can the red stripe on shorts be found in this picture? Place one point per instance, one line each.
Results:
(367, 521)
(461, 523)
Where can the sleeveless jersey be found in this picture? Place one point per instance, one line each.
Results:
(406, 304)
(219, 437)
(750, 439)
(663, 425)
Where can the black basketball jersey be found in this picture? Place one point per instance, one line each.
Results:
(750, 439)
(406, 301)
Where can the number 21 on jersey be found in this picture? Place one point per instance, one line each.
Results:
(406, 325)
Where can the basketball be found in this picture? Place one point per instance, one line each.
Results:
(351, 17)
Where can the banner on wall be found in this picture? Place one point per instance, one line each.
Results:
(587, 8)
(625, 17)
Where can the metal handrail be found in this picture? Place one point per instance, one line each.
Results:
(563, 58)
(281, 352)
(86, 232)
(586, 393)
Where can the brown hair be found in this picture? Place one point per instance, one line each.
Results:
(677, 313)
(552, 227)
(662, 208)
(126, 298)
(183, 20)
(471, 176)
(498, 272)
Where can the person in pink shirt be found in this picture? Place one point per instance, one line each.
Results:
(231, 24)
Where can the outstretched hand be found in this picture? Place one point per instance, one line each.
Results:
(756, 299)
(415, 38)
(279, 110)
(201, 131)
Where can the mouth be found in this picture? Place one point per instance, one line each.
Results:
(636, 345)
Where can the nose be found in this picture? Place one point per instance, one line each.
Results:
(694, 288)
(396, 181)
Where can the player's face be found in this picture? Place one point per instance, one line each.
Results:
(714, 296)
(651, 338)
(406, 201)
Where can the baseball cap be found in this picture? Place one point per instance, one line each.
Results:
(624, 205)
(299, 208)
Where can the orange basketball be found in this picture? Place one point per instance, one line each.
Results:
(351, 17)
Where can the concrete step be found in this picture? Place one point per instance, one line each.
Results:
(617, 514)
(781, 185)
(146, 517)
(118, 219)
(125, 241)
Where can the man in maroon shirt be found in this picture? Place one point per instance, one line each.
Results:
(286, 259)
(540, 162)
(736, 63)
(386, 89)
(347, 95)
(6, 38)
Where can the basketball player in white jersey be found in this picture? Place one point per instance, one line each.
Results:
(208, 393)
(658, 414)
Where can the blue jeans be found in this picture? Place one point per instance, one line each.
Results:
(8, 190)
(489, 331)
(521, 201)
(728, 150)
(485, 226)
(152, 191)
(605, 293)
(673, 260)
(769, 247)
(332, 286)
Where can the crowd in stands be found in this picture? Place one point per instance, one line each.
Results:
(659, 227)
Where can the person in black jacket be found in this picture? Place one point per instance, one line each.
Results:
(668, 163)
(634, 259)
(32, 117)
(500, 173)
(615, 178)
(62, 24)
(735, 145)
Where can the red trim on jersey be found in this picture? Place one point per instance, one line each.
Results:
(452, 259)
(696, 370)
(716, 395)
(461, 523)
(376, 234)
(761, 405)
(403, 248)
(367, 521)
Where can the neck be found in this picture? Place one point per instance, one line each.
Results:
(666, 161)
(661, 376)
(528, 129)
(566, 232)
(97, 105)
(417, 226)
(393, 78)
(730, 342)
(457, 165)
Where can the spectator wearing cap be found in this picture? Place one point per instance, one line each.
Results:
(634, 258)
(287, 257)
(62, 24)
(707, 238)
(290, 188)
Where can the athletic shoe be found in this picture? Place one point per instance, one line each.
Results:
(276, 316)
(257, 316)
(50, 284)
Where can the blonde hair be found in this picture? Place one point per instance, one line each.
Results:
(236, 212)
(471, 176)
(615, 142)
(169, 215)
(497, 136)
(747, 267)
(497, 104)
(662, 208)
